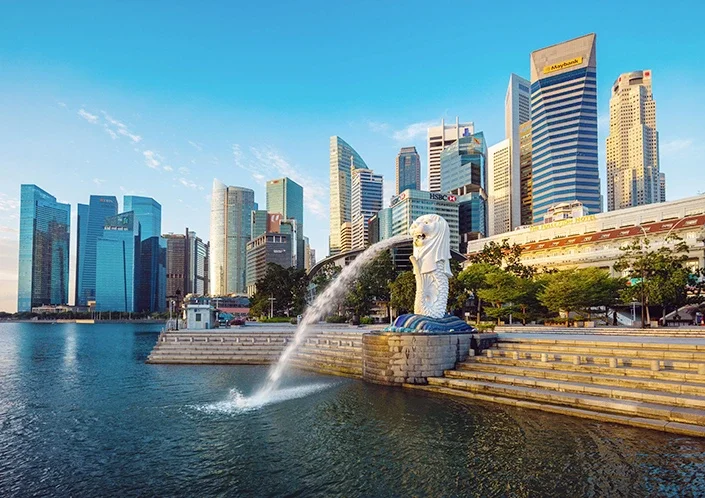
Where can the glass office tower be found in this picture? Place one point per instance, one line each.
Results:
(90, 221)
(118, 264)
(564, 126)
(44, 249)
(151, 293)
(285, 196)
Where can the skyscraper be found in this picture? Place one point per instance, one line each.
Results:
(662, 184)
(517, 112)
(499, 183)
(151, 294)
(440, 137)
(526, 190)
(90, 221)
(342, 158)
(44, 249)
(408, 170)
(230, 225)
(633, 176)
(464, 163)
(366, 200)
(177, 265)
(118, 269)
(148, 213)
(564, 125)
(286, 197)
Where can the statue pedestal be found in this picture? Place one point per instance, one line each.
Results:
(392, 358)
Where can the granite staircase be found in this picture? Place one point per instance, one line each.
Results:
(657, 383)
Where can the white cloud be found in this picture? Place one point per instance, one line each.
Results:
(98, 181)
(151, 159)
(413, 131)
(407, 134)
(91, 118)
(677, 145)
(61, 104)
(266, 162)
(110, 132)
(168, 168)
(8, 203)
(195, 145)
(187, 183)
(184, 170)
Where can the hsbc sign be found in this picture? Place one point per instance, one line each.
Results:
(442, 197)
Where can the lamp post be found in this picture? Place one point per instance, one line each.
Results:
(643, 296)
(271, 306)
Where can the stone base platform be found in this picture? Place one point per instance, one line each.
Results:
(393, 358)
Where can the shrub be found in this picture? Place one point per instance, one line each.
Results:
(485, 326)
(367, 320)
(336, 319)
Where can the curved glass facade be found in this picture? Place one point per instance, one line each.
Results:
(342, 158)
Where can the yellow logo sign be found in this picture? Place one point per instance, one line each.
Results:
(556, 224)
(576, 61)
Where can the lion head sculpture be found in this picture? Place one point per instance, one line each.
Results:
(431, 235)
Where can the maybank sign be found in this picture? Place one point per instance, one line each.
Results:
(576, 61)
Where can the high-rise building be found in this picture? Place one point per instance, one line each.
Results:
(90, 221)
(517, 112)
(633, 176)
(148, 213)
(118, 268)
(526, 215)
(345, 237)
(464, 163)
(385, 223)
(267, 248)
(411, 204)
(178, 265)
(366, 193)
(290, 227)
(151, 293)
(286, 197)
(230, 225)
(408, 170)
(199, 266)
(499, 183)
(463, 173)
(44, 249)
(662, 187)
(564, 126)
(342, 159)
(258, 225)
(307, 255)
(440, 137)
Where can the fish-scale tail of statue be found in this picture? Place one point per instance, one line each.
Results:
(431, 265)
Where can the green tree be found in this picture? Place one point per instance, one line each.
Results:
(328, 272)
(403, 292)
(501, 291)
(527, 299)
(656, 276)
(505, 256)
(578, 290)
(473, 279)
(287, 286)
(372, 286)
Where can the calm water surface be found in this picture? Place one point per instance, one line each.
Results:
(81, 414)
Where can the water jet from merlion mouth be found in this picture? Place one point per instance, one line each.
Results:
(322, 305)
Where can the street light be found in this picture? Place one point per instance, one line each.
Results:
(271, 306)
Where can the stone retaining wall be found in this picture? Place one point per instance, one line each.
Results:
(395, 359)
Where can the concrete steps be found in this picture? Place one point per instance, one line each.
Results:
(329, 352)
(655, 383)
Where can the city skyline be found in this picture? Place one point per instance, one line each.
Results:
(107, 126)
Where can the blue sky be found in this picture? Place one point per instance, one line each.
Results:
(159, 98)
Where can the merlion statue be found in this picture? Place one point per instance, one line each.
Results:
(431, 263)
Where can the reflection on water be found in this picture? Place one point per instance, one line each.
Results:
(104, 423)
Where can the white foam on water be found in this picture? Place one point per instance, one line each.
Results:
(237, 403)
